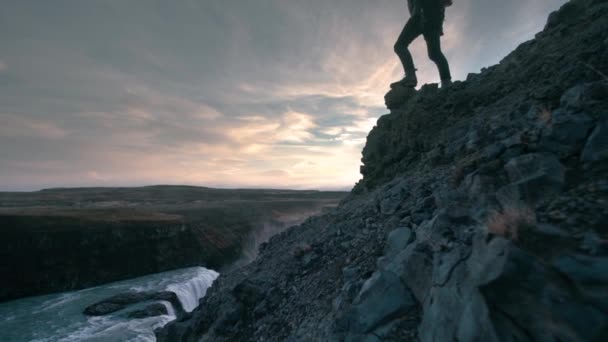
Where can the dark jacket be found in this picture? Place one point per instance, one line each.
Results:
(431, 13)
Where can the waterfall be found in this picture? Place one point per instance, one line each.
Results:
(170, 309)
(59, 317)
(195, 288)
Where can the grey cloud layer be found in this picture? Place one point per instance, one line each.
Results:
(215, 92)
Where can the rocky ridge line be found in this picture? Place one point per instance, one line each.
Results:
(481, 216)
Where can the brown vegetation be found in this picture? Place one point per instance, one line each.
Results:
(511, 222)
(545, 115)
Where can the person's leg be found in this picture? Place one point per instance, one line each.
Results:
(410, 32)
(433, 44)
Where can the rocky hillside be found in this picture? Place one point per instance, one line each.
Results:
(481, 215)
(65, 239)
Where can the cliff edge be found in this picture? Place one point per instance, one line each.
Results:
(481, 215)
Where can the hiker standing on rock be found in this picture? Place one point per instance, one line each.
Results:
(426, 19)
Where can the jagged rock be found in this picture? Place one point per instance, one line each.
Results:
(530, 165)
(596, 148)
(228, 321)
(486, 289)
(550, 231)
(350, 290)
(477, 184)
(590, 274)
(396, 241)
(102, 309)
(390, 201)
(397, 96)
(472, 140)
(585, 97)
(309, 259)
(249, 292)
(558, 312)
(566, 133)
(123, 300)
(350, 273)
(414, 266)
(584, 269)
(493, 151)
(152, 310)
(534, 177)
(383, 298)
(115, 303)
(593, 244)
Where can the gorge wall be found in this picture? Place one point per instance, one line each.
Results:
(50, 254)
(481, 215)
(66, 239)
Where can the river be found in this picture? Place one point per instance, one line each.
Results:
(58, 317)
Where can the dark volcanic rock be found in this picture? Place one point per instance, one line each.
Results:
(480, 217)
(116, 303)
(553, 308)
(123, 300)
(566, 133)
(397, 96)
(533, 177)
(596, 148)
(396, 241)
(383, 298)
(152, 310)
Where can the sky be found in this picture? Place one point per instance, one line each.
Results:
(221, 93)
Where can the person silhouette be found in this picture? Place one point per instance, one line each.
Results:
(426, 19)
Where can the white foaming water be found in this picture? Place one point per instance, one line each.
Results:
(169, 307)
(59, 317)
(191, 291)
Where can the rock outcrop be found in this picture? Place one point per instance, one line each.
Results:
(123, 300)
(481, 216)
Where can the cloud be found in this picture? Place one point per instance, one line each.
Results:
(271, 93)
(295, 128)
(19, 126)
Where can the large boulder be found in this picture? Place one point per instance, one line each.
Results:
(586, 97)
(383, 298)
(566, 133)
(397, 96)
(533, 177)
(116, 303)
(152, 310)
(530, 299)
(396, 241)
(124, 300)
(590, 274)
(414, 266)
(500, 292)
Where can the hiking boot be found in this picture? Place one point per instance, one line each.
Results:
(409, 81)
